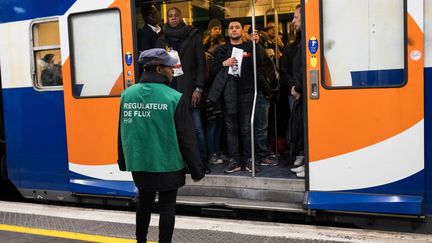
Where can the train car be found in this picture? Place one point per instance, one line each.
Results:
(367, 113)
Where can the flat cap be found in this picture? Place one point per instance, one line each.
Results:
(156, 57)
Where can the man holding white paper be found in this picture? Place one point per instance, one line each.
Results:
(236, 58)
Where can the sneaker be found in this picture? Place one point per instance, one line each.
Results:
(215, 160)
(301, 174)
(299, 160)
(233, 166)
(298, 169)
(269, 161)
(249, 166)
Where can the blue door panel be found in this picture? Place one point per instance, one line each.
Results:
(36, 138)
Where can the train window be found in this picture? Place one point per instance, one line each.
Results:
(96, 53)
(363, 51)
(46, 54)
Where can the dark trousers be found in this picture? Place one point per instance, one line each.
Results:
(262, 147)
(167, 208)
(240, 122)
(199, 132)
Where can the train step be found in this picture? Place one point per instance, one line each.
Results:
(247, 191)
(216, 203)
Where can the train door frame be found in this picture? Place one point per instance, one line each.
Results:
(92, 117)
(346, 196)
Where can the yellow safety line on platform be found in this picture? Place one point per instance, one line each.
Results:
(66, 235)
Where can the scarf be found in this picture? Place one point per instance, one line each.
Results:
(177, 33)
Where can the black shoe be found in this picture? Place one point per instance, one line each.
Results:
(233, 166)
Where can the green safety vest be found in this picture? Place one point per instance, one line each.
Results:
(147, 128)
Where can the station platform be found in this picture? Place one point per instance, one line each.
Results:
(27, 222)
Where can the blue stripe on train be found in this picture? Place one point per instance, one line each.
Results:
(87, 185)
(372, 78)
(428, 138)
(36, 138)
(400, 197)
(361, 202)
(18, 10)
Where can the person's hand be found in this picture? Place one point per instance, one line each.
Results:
(230, 62)
(294, 93)
(196, 96)
(254, 36)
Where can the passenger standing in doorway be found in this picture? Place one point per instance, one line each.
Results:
(156, 139)
(151, 31)
(186, 40)
(271, 41)
(267, 92)
(238, 94)
(214, 111)
(292, 78)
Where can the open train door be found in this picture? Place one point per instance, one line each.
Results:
(97, 41)
(365, 105)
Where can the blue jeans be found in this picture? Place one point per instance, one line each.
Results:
(213, 136)
(199, 131)
(261, 126)
(240, 122)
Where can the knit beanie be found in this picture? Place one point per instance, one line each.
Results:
(213, 23)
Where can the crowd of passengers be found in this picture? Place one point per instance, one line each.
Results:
(216, 73)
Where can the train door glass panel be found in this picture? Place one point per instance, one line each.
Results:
(96, 41)
(46, 71)
(373, 54)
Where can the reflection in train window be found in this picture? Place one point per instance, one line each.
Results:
(46, 54)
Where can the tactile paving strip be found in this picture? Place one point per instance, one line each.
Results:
(122, 230)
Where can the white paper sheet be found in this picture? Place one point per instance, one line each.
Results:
(237, 54)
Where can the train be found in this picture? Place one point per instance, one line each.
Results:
(367, 113)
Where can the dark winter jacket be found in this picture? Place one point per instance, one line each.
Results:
(186, 139)
(291, 68)
(224, 84)
(246, 80)
(52, 75)
(187, 41)
(147, 38)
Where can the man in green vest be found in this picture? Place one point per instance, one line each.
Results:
(156, 141)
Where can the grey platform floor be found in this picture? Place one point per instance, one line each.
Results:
(120, 224)
(119, 230)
